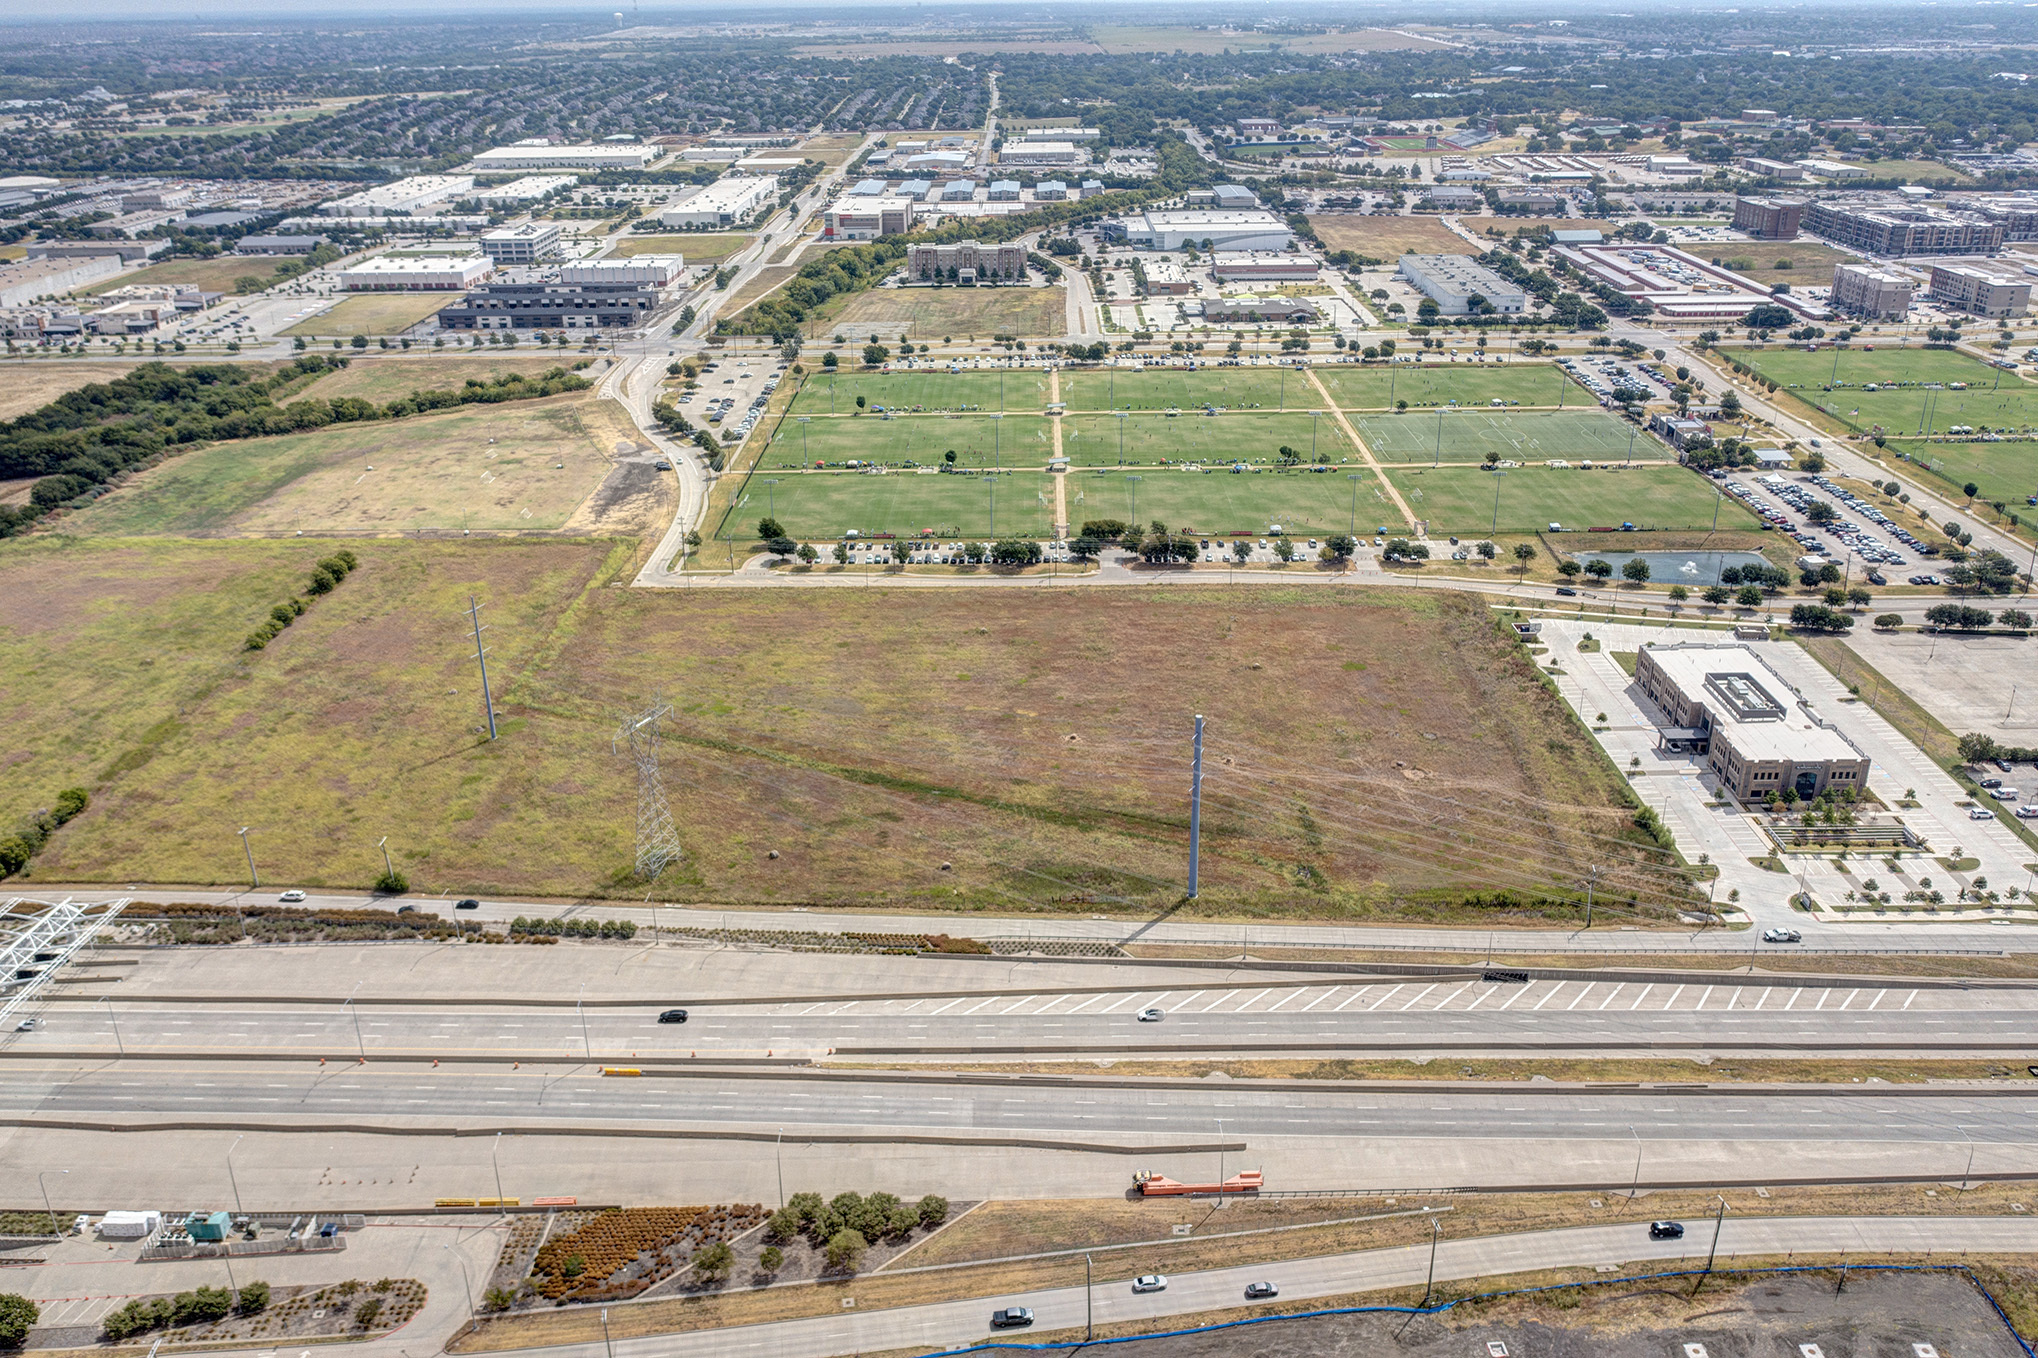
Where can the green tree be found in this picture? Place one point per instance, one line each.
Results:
(366, 1314)
(770, 1259)
(1241, 551)
(830, 361)
(933, 1210)
(1749, 596)
(1599, 570)
(808, 554)
(845, 1251)
(1569, 569)
(1678, 594)
(902, 551)
(874, 355)
(253, 1299)
(781, 546)
(711, 1263)
(769, 528)
(1524, 552)
(1976, 748)
(17, 1316)
(498, 1299)
(1889, 622)
(1716, 595)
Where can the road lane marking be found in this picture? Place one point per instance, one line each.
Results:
(1552, 995)
(1643, 996)
(1214, 1003)
(1581, 996)
(1285, 998)
(1616, 990)
(1425, 990)
(1321, 998)
(1384, 998)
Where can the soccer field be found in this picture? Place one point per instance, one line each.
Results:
(1303, 503)
(1462, 499)
(1465, 384)
(978, 441)
(2005, 471)
(1022, 389)
(1533, 436)
(1993, 399)
(1148, 439)
(823, 505)
(1181, 389)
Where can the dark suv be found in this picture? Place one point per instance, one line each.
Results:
(1666, 1230)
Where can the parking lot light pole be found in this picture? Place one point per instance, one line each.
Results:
(1718, 1220)
(496, 1165)
(1636, 1187)
(46, 1198)
(114, 1018)
(1089, 1301)
(1132, 484)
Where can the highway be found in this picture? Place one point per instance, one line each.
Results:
(1238, 1013)
(957, 1324)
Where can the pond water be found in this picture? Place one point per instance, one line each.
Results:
(1677, 568)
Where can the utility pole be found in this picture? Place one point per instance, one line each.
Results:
(496, 1165)
(383, 844)
(1636, 1187)
(1195, 806)
(360, 1048)
(481, 655)
(611, 1348)
(778, 1153)
(107, 1000)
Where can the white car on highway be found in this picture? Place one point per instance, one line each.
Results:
(1150, 1282)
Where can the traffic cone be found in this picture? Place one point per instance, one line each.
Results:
(435, 1063)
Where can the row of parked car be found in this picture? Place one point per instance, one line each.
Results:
(1868, 547)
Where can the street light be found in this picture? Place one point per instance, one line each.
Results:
(46, 1199)
(1132, 485)
(254, 880)
(1496, 504)
(107, 1000)
(496, 1165)
(580, 1010)
(1436, 1227)
(1352, 528)
(230, 1174)
(360, 1048)
(778, 1153)
(1636, 1186)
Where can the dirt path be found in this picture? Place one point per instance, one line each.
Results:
(1061, 491)
(1360, 444)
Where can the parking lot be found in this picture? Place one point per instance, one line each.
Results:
(1787, 505)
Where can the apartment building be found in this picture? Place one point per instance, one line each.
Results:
(966, 262)
(1979, 290)
(1902, 228)
(1875, 294)
(1769, 218)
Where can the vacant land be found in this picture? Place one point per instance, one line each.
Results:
(703, 248)
(1526, 436)
(1180, 389)
(939, 313)
(1915, 388)
(34, 383)
(1210, 441)
(1801, 261)
(976, 441)
(834, 148)
(2006, 471)
(824, 505)
(1119, 40)
(1462, 499)
(388, 379)
(1390, 238)
(519, 465)
(825, 393)
(931, 755)
(1304, 504)
(1465, 384)
(217, 274)
(381, 313)
(763, 281)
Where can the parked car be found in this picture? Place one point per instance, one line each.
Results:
(1151, 1015)
(672, 1016)
(1012, 1317)
(1666, 1230)
(291, 896)
(1150, 1282)
(1261, 1291)
(1782, 936)
(1980, 813)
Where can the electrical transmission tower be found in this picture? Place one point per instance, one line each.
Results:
(657, 837)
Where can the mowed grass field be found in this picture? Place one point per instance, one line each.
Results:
(1094, 440)
(217, 274)
(1303, 503)
(868, 744)
(373, 313)
(1523, 436)
(387, 379)
(938, 313)
(707, 247)
(1020, 389)
(1182, 389)
(978, 441)
(1389, 238)
(1461, 499)
(826, 505)
(1465, 384)
(1994, 399)
(2006, 471)
(514, 465)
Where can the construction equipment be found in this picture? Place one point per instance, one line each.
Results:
(1154, 1184)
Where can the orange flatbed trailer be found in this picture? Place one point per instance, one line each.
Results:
(1153, 1184)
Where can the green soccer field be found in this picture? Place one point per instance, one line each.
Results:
(1994, 399)
(1465, 384)
(824, 505)
(978, 441)
(1149, 439)
(1532, 436)
(1021, 389)
(2005, 471)
(1181, 389)
(1461, 500)
(1303, 503)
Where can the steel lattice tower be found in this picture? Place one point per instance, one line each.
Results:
(657, 837)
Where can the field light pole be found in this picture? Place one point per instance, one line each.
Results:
(1352, 527)
(1196, 807)
(771, 498)
(804, 421)
(1437, 460)
(481, 655)
(254, 879)
(1496, 504)
(1314, 415)
(1121, 436)
(1132, 485)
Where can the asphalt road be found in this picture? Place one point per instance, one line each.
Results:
(958, 1324)
(1418, 1014)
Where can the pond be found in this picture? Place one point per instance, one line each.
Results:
(1677, 568)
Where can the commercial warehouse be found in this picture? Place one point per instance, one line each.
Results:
(722, 203)
(416, 273)
(1217, 229)
(1452, 281)
(404, 198)
(1726, 706)
(866, 218)
(551, 306)
(543, 156)
(656, 271)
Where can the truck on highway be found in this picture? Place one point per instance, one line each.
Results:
(1154, 1184)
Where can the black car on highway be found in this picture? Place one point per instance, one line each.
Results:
(1666, 1230)
(469, 904)
(673, 1016)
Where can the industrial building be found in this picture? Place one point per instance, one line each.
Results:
(1833, 169)
(1902, 228)
(1165, 278)
(654, 271)
(529, 189)
(1769, 218)
(966, 262)
(540, 155)
(277, 245)
(1980, 291)
(1875, 294)
(85, 249)
(404, 198)
(1003, 191)
(1726, 706)
(1772, 169)
(416, 273)
(1452, 281)
(1225, 198)
(1249, 268)
(722, 203)
(524, 243)
(1050, 191)
(1041, 153)
(1260, 310)
(24, 280)
(551, 306)
(959, 191)
(1220, 230)
(1058, 134)
(866, 218)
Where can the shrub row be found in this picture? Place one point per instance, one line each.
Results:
(324, 577)
(195, 1307)
(35, 829)
(574, 928)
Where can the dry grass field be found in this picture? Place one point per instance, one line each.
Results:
(1030, 759)
(33, 383)
(388, 378)
(932, 313)
(212, 275)
(377, 313)
(1389, 238)
(704, 247)
(1811, 264)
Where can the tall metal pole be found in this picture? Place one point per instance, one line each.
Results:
(1196, 806)
(496, 1165)
(580, 1009)
(1089, 1301)
(1717, 1221)
(236, 1183)
(46, 1199)
(383, 844)
(605, 1333)
(254, 879)
(778, 1153)
(1435, 1229)
(481, 654)
(114, 1018)
(360, 1047)
(1352, 528)
(1589, 880)
(1636, 1186)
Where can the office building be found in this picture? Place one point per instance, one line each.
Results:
(966, 262)
(1041, 153)
(529, 189)
(1519, 200)
(24, 280)
(1724, 705)
(1165, 278)
(1769, 218)
(1875, 294)
(551, 306)
(1259, 127)
(653, 271)
(1050, 191)
(416, 273)
(404, 198)
(1259, 311)
(722, 203)
(87, 249)
(1223, 231)
(960, 191)
(866, 218)
(1247, 268)
(1452, 281)
(277, 245)
(524, 243)
(1980, 291)
(1455, 198)
(544, 156)
(1003, 191)
(1902, 228)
